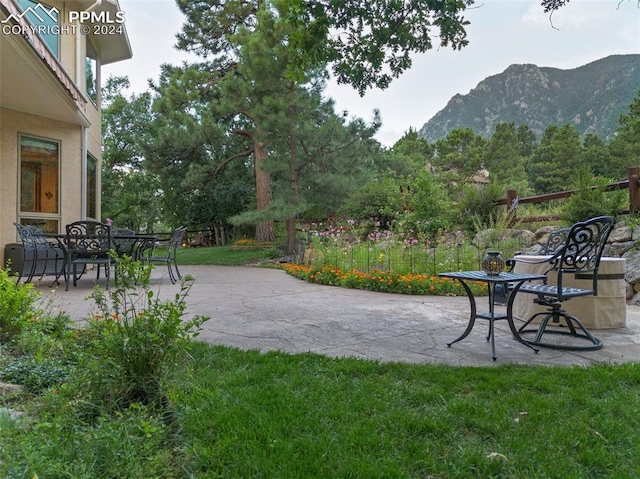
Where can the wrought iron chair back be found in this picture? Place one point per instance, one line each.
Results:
(30, 253)
(87, 242)
(555, 241)
(165, 253)
(581, 252)
(124, 246)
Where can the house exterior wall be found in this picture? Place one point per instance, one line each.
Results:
(48, 99)
(70, 137)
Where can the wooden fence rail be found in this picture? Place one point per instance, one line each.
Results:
(511, 200)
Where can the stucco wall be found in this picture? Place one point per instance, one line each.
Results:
(70, 137)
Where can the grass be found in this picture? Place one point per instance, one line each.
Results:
(250, 414)
(222, 255)
(277, 415)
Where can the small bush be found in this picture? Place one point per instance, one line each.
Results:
(16, 305)
(590, 201)
(138, 338)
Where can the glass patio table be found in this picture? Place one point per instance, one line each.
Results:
(515, 280)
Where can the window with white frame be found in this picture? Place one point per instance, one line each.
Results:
(91, 72)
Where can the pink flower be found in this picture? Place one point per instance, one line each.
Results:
(109, 221)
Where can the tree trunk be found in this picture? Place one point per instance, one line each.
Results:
(265, 230)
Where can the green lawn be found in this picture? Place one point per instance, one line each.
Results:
(222, 255)
(245, 414)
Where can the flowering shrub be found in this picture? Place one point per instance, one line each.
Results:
(139, 338)
(383, 281)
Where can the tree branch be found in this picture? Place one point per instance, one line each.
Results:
(242, 154)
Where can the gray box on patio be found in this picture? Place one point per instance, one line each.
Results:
(15, 253)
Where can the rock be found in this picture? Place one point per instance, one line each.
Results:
(629, 290)
(618, 249)
(620, 234)
(6, 388)
(632, 267)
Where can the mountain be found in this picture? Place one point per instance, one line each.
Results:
(591, 97)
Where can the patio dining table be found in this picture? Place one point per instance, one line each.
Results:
(141, 242)
(515, 279)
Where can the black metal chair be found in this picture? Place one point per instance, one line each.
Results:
(579, 253)
(87, 242)
(38, 251)
(124, 241)
(165, 253)
(555, 241)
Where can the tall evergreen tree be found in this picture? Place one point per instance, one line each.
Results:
(596, 157)
(555, 159)
(625, 146)
(503, 158)
(459, 157)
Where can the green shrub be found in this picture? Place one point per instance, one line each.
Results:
(16, 305)
(591, 198)
(138, 338)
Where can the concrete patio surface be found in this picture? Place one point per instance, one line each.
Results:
(269, 310)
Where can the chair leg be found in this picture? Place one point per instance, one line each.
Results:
(172, 277)
(67, 272)
(32, 269)
(574, 328)
(178, 276)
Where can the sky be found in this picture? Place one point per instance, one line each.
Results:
(501, 33)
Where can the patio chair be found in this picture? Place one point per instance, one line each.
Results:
(124, 246)
(87, 242)
(555, 240)
(37, 252)
(165, 253)
(579, 254)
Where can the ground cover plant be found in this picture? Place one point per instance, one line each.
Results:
(383, 281)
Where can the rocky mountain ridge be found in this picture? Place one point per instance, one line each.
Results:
(591, 97)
